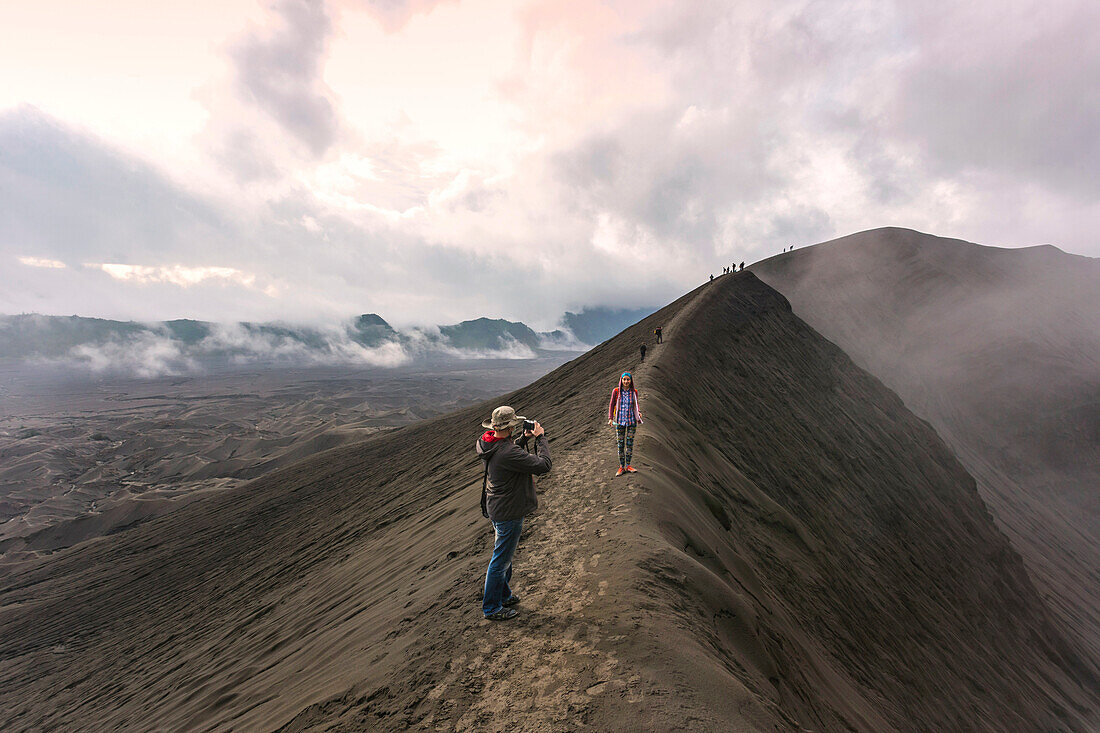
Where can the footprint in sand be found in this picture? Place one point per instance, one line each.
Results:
(597, 688)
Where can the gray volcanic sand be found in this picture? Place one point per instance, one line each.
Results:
(82, 456)
(1000, 350)
(799, 552)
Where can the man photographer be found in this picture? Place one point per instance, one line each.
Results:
(508, 496)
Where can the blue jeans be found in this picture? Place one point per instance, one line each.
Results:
(500, 566)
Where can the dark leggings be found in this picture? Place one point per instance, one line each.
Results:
(624, 436)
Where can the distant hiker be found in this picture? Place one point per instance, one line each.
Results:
(742, 265)
(712, 277)
(657, 333)
(507, 496)
(625, 414)
(642, 349)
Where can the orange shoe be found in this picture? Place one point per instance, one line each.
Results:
(631, 469)
(621, 471)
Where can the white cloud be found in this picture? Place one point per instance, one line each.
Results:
(179, 275)
(145, 355)
(334, 347)
(42, 262)
(586, 153)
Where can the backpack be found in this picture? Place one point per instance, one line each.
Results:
(484, 490)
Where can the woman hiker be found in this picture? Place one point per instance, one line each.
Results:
(625, 414)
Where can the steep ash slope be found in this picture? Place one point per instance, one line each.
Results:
(1000, 350)
(826, 547)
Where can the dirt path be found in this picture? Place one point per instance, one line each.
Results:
(574, 657)
(557, 666)
(546, 668)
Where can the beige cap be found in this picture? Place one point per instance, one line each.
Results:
(504, 417)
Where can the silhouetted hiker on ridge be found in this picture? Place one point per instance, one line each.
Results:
(642, 350)
(742, 265)
(508, 495)
(625, 414)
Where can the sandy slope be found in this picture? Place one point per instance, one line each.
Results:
(1000, 350)
(800, 552)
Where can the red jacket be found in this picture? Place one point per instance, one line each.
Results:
(613, 408)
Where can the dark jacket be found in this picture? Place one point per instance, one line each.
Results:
(510, 493)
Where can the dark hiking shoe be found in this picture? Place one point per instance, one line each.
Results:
(511, 601)
(503, 614)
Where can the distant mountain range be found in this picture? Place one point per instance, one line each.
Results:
(596, 325)
(180, 345)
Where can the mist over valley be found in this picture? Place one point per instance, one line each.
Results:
(102, 346)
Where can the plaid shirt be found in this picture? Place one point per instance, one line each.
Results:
(626, 408)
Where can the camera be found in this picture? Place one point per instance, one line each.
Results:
(528, 426)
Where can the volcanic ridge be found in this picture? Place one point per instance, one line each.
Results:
(798, 552)
(999, 349)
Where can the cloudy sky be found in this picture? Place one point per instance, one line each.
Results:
(433, 161)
